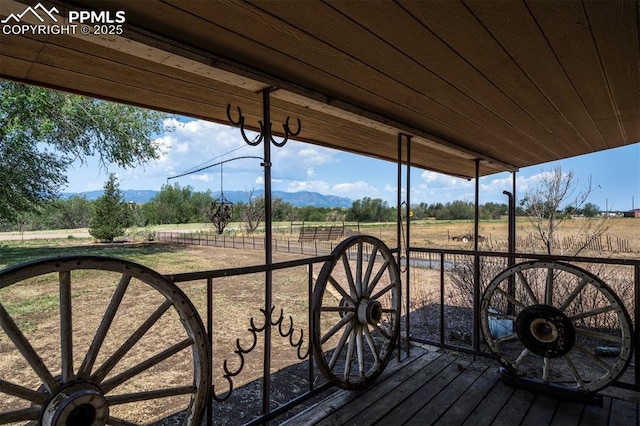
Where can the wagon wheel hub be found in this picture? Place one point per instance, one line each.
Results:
(369, 311)
(545, 331)
(81, 404)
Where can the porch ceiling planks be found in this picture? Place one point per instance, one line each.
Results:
(510, 83)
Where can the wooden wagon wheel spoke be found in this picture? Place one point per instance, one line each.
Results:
(343, 321)
(349, 275)
(527, 287)
(378, 276)
(365, 308)
(66, 328)
(367, 276)
(31, 413)
(106, 368)
(557, 341)
(112, 383)
(22, 392)
(26, 350)
(338, 350)
(84, 396)
(105, 324)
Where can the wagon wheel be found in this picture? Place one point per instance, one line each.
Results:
(356, 312)
(115, 360)
(558, 323)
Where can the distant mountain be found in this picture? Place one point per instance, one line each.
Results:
(298, 199)
(139, 196)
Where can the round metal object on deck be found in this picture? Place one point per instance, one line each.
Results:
(356, 312)
(546, 321)
(545, 331)
(130, 343)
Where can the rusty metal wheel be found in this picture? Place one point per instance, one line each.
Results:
(557, 323)
(356, 312)
(94, 340)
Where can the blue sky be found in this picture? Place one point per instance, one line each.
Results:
(298, 166)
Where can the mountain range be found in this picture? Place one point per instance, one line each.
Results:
(298, 199)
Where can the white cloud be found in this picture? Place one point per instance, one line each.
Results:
(444, 182)
(355, 190)
(313, 186)
(202, 177)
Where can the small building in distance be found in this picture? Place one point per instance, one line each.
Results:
(632, 213)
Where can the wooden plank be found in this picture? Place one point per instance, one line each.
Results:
(488, 409)
(400, 392)
(392, 377)
(624, 413)
(567, 414)
(448, 397)
(515, 408)
(447, 25)
(594, 415)
(470, 399)
(417, 397)
(402, 101)
(440, 75)
(541, 411)
(578, 56)
(617, 40)
(516, 30)
(385, 393)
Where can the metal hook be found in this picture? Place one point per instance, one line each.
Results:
(240, 123)
(287, 133)
(287, 129)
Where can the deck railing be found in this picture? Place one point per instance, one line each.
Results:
(441, 307)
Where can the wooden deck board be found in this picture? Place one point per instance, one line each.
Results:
(434, 388)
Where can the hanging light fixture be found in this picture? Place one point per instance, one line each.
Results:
(221, 209)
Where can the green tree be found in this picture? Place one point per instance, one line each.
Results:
(43, 131)
(370, 210)
(176, 204)
(74, 212)
(110, 215)
(590, 210)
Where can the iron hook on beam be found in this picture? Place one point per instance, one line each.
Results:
(240, 123)
(287, 133)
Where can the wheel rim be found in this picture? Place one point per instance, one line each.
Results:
(356, 310)
(548, 321)
(110, 350)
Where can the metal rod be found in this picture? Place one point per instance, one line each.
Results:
(210, 340)
(442, 298)
(312, 338)
(476, 263)
(399, 215)
(637, 321)
(407, 243)
(268, 290)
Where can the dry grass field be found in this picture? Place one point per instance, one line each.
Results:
(34, 305)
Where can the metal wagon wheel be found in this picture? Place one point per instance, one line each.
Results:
(356, 312)
(93, 382)
(557, 323)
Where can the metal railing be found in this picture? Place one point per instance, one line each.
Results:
(302, 345)
(449, 277)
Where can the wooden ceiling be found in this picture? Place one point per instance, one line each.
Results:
(512, 83)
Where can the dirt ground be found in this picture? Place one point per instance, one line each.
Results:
(237, 323)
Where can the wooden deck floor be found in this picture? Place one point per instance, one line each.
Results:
(434, 388)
